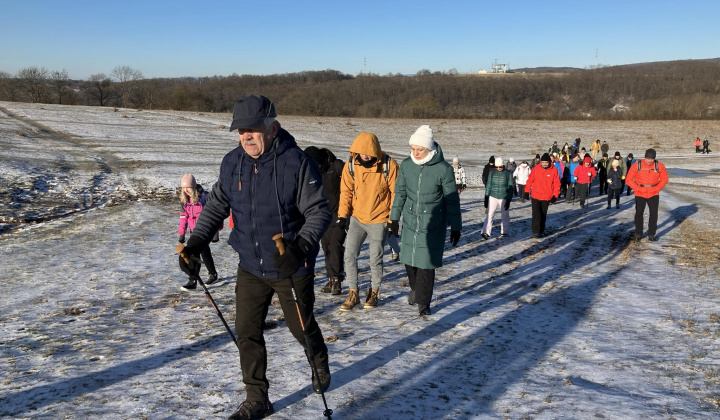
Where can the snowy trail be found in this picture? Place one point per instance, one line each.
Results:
(580, 324)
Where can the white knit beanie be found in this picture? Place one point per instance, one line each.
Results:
(423, 137)
(499, 162)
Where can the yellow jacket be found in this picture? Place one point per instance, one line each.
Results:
(369, 194)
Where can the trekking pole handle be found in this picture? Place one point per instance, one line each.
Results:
(279, 243)
(180, 250)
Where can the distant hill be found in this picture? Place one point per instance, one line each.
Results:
(647, 66)
(663, 90)
(546, 70)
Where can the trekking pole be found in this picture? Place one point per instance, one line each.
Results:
(281, 249)
(180, 249)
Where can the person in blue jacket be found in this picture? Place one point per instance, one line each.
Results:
(570, 178)
(271, 187)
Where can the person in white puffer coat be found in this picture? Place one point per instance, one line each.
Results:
(520, 175)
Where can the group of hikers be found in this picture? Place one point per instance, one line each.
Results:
(285, 203)
(702, 146)
(569, 173)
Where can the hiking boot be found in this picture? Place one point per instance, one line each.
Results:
(250, 410)
(395, 256)
(485, 235)
(328, 286)
(212, 278)
(190, 285)
(336, 287)
(411, 298)
(322, 385)
(637, 237)
(372, 299)
(608, 207)
(352, 300)
(651, 238)
(424, 311)
(332, 286)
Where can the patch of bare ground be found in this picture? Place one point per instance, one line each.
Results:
(698, 246)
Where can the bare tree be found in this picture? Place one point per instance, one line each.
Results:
(127, 78)
(100, 88)
(60, 83)
(34, 82)
(9, 88)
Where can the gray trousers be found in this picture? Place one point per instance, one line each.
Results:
(357, 232)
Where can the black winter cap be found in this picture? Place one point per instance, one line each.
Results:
(605, 155)
(537, 156)
(320, 156)
(251, 111)
(545, 157)
(650, 154)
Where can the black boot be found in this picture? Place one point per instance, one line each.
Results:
(250, 410)
(212, 278)
(321, 385)
(411, 298)
(190, 285)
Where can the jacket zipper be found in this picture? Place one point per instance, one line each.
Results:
(255, 235)
(417, 218)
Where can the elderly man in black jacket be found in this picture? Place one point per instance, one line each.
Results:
(271, 187)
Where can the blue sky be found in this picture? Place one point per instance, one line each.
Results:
(222, 37)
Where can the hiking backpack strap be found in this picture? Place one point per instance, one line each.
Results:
(640, 167)
(351, 166)
(386, 166)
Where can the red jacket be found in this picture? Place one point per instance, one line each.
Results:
(581, 174)
(647, 182)
(543, 183)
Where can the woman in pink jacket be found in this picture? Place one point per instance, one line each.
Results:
(192, 198)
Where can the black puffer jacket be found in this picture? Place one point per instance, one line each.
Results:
(331, 168)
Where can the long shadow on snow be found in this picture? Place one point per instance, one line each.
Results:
(548, 321)
(677, 217)
(19, 402)
(488, 362)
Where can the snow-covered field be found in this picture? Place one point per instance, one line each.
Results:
(580, 324)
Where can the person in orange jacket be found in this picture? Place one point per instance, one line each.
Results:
(367, 190)
(698, 145)
(647, 177)
(543, 184)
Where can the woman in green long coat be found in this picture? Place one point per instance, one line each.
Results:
(427, 199)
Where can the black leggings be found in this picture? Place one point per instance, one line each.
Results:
(613, 192)
(194, 273)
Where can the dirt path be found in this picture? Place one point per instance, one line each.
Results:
(54, 175)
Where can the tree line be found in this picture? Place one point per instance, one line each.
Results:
(665, 90)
